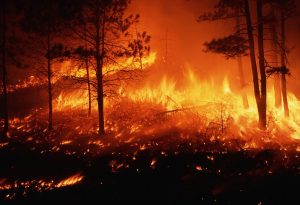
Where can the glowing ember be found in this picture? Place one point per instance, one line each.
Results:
(153, 163)
(198, 168)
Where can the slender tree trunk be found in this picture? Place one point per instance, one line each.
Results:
(88, 78)
(283, 65)
(4, 72)
(277, 87)
(277, 90)
(242, 83)
(99, 71)
(263, 78)
(88, 87)
(253, 60)
(240, 66)
(140, 53)
(102, 130)
(49, 75)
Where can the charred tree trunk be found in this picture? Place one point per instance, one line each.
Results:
(242, 83)
(253, 61)
(277, 87)
(277, 90)
(283, 65)
(240, 66)
(4, 72)
(49, 76)
(86, 61)
(263, 78)
(88, 87)
(99, 71)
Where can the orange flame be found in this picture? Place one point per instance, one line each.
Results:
(70, 180)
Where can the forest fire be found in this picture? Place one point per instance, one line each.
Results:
(222, 107)
(124, 101)
(77, 99)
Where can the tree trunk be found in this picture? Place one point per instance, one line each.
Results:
(88, 78)
(4, 73)
(49, 75)
(240, 66)
(277, 87)
(263, 78)
(88, 87)
(253, 60)
(243, 83)
(277, 90)
(99, 71)
(283, 65)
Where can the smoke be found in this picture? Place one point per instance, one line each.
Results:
(176, 21)
(178, 37)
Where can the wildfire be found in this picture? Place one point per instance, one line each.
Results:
(77, 99)
(220, 106)
(219, 103)
(31, 81)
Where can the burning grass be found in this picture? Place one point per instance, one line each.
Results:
(150, 132)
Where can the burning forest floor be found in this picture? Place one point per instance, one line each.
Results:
(147, 156)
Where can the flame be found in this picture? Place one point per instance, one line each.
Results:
(31, 81)
(222, 104)
(68, 69)
(78, 99)
(70, 180)
(226, 86)
(194, 93)
(218, 104)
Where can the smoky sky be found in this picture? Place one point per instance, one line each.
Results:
(175, 20)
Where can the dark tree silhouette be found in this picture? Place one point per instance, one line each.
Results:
(237, 45)
(239, 59)
(272, 21)
(229, 46)
(11, 51)
(108, 36)
(4, 68)
(234, 45)
(287, 10)
(43, 20)
(282, 10)
(262, 103)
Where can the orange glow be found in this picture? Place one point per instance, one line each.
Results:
(78, 99)
(198, 168)
(70, 180)
(216, 106)
(220, 103)
(217, 103)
